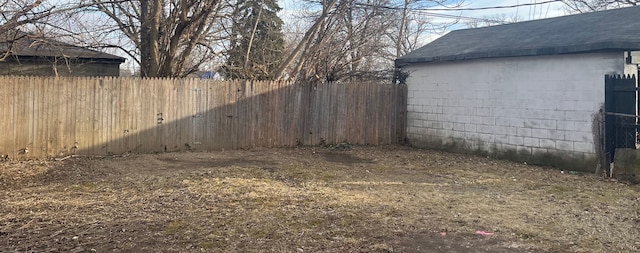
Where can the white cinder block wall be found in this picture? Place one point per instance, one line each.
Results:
(530, 105)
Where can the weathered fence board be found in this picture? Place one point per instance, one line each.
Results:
(54, 117)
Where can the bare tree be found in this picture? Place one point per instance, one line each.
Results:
(497, 19)
(166, 38)
(579, 6)
(327, 6)
(15, 14)
(360, 38)
(416, 21)
(349, 43)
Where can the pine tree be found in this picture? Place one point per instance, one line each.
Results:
(257, 41)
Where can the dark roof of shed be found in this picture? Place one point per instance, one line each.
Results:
(617, 29)
(23, 44)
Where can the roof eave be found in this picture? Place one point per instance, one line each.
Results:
(83, 59)
(575, 49)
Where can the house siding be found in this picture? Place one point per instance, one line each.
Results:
(60, 68)
(538, 108)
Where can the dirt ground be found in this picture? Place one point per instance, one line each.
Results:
(365, 199)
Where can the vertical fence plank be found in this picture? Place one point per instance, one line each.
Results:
(113, 132)
(108, 97)
(223, 122)
(269, 103)
(230, 133)
(83, 119)
(309, 115)
(120, 107)
(213, 110)
(187, 115)
(55, 102)
(169, 131)
(32, 103)
(374, 110)
(244, 113)
(97, 117)
(272, 101)
(233, 115)
(281, 112)
(224, 117)
(361, 111)
(258, 136)
(351, 113)
(333, 110)
(27, 104)
(332, 114)
(191, 95)
(33, 112)
(144, 117)
(45, 116)
(132, 118)
(78, 105)
(15, 113)
(384, 112)
(162, 118)
(321, 123)
(254, 101)
(341, 116)
(167, 117)
(180, 139)
(201, 103)
(288, 118)
(6, 102)
(63, 101)
(4, 108)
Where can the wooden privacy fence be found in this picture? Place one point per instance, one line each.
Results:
(53, 117)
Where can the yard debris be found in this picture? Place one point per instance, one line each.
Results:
(95, 156)
(344, 146)
(63, 158)
(485, 233)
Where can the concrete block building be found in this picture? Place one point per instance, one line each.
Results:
(530, 91)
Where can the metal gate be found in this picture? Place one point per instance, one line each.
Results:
(621, 124)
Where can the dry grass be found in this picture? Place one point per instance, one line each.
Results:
(391, 199)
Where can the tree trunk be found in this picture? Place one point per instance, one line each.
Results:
(145, 52)
(154, 38)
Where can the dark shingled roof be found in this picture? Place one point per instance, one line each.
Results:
(30, 45)
(617, 29)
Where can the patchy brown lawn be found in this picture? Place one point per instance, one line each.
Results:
(384, 199)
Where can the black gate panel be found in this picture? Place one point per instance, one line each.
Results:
(620, 113)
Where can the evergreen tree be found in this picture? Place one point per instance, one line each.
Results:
(257, 41)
